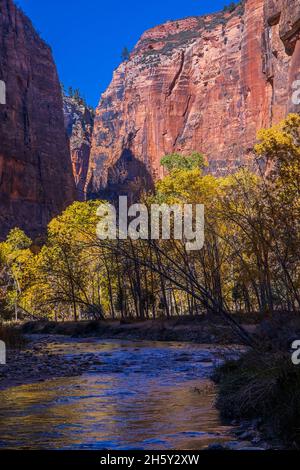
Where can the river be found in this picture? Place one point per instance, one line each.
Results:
(138, 395)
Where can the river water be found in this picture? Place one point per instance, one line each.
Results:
(139, 395)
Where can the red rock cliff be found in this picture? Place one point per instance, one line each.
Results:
(36, 180)
(199, 84)
(79, 121)
(282, 53)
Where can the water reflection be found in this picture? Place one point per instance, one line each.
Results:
(140, 396)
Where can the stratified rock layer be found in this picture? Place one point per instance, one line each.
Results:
(79, 121)
(200, 84)
(36, 180)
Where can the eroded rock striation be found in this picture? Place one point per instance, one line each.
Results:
(79, 121)
(36, 181)
(198, 84)
(282, 54)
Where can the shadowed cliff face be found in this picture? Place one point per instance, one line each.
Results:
(128, 176)
(36, 181)
(199, 84)
(79, 121)
(282, 40)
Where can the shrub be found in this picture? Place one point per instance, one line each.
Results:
(264, 386)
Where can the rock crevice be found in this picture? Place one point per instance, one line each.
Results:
(79, 122)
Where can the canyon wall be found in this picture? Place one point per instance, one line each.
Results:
(36, 181)
(282, 53)
(79, 121)
(202, 84)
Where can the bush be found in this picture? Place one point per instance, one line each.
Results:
(264, 386)
(176, 161)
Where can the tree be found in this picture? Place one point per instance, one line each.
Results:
(66, 259)
(249, 262)
(70, 91)
(76, 95)
(63, 89)
(125, 54)
(176, 161)
(16, 256)
(279, 147)
(231, 7)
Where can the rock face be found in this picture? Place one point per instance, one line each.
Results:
(36, 180)
(79, 122)
(202, 84)
(282, 53)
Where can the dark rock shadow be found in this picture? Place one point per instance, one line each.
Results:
(127, 177)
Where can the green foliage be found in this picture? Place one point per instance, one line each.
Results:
(176, 161)
(17, 240)
(15, 257)
(77, 96)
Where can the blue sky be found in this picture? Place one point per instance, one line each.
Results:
(87, 36)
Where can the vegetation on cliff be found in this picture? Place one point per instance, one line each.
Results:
(76, 95)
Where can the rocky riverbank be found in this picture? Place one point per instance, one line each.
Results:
(187, 329)
(36, 363)
(247, 437)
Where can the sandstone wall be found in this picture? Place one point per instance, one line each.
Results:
(79, 121)
(36, 180)
(200, 84)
